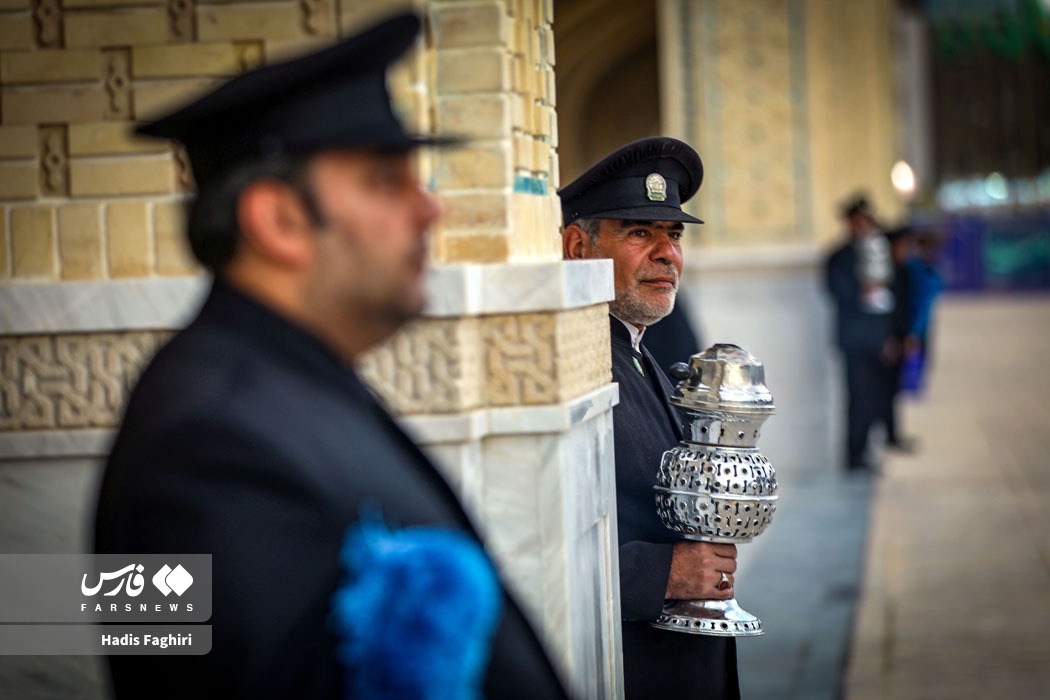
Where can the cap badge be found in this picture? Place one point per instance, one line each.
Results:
(655, 187)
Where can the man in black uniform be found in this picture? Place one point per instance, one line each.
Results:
(628, 207)
(249, 437)
(858, 275)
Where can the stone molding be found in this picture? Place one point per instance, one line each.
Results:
(168, 302)
(102, 306)
(70, 381)
(495, 335)
(428, 430)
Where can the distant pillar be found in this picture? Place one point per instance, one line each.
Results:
(790, 104)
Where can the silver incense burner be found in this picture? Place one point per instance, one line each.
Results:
(715, 486)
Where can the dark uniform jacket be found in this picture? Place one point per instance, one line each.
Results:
(249, 440)
(673, 339)
(857, 331)
(657, 663)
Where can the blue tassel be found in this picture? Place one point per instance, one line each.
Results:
(416, 614)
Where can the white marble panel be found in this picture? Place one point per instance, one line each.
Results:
(438, 428)
(431, 429)
(454, 290)
(498, 288)
(553, 498)
(587, 453)
(511, 499)
(55, 443)
(82, 307)
(461, 465)
(554, 418)
(509, 288)
(170, 302)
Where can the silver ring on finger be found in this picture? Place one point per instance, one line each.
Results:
(723, 584)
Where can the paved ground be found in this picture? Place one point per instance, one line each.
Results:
(956, 599)
(933, 580)
(802, 579)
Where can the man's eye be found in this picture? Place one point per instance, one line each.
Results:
(676, 235)
(388, 177)
(639, 232)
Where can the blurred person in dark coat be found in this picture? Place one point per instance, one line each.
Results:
(904, 341)
(858, 275)
(250, 437)
(627, 207)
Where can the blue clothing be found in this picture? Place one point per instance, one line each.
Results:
(926, 285)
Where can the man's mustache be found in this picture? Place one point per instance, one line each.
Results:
(670, 274)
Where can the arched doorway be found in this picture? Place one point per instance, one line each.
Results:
(607, 77)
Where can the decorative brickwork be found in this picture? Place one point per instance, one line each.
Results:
(54, 161)
(430, 367)
(756, 134)
(494, 77)
(532, 359)
(450, 366)
(70, 381)
(74, 78)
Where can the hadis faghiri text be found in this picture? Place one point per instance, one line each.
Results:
(147, 640)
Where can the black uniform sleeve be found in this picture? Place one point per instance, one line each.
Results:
(644, 570)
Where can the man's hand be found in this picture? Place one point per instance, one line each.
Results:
(696, 571)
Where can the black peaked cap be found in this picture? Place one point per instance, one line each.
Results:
(857, 204)
(647, 180)
(334, 98)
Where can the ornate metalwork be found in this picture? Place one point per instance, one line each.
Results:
(715, 486)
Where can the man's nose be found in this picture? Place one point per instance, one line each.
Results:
(665, 250)
(430, 209)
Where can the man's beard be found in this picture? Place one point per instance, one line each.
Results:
(633, 308)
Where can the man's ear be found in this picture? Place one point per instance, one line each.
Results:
(575, 243)
(274, 224)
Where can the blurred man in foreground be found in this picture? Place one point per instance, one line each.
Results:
(250, 437)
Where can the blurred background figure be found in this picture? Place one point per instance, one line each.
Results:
(924, 286)
(904, 344)
(858, 275)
